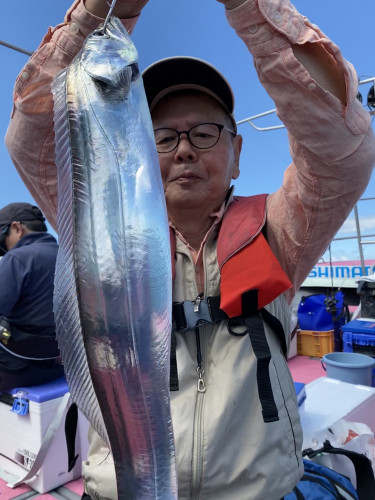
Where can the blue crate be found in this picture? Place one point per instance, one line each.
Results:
(358, 342)
(360, 326)
(359, 336)
(361, 343)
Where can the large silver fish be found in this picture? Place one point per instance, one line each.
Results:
(113, 279)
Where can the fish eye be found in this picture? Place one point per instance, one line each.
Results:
(101, 34)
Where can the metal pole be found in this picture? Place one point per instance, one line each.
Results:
(250, 119)
(18, 49)
(368, 80)
(359, 240)
(260, 115)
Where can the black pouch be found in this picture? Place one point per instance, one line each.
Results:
(27, 345)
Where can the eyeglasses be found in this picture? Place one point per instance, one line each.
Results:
(5, 229)
(202, 136)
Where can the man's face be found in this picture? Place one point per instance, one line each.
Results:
(3, 232)
(196, 178)
(12, 236)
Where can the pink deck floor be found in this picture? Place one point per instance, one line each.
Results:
(303, 369)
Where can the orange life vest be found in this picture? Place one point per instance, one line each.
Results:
(246, 261)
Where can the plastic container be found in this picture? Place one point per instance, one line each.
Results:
(349, 367)
(21, 437)
(358, 342)
(315, 344)
(359, 336)
(329, 400)
(361, 325)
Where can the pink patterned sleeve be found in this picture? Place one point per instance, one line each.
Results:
(332, 145)
(30, 135)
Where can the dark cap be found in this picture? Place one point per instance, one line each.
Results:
(184, 73)
(22, 212)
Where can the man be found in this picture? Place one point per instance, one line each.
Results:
(28, 349)
(234, 412)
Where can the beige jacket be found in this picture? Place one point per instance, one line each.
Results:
(224, 450)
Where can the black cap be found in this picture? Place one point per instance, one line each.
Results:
(184, 73)
(22, 212)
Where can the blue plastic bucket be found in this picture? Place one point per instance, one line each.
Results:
(349, 367)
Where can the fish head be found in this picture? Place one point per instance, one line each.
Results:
(110, 59)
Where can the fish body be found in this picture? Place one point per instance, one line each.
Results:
(113, 276)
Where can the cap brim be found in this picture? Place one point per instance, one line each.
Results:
(19, 211)
(179, 73)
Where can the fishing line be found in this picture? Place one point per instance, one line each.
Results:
(112, 6)
(331, 301)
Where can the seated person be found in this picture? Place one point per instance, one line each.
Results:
(29, 353)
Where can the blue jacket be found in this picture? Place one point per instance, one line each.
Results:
(26, 283)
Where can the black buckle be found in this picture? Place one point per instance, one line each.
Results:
(188, 314)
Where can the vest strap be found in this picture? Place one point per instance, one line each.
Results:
(255, 328)
(173, 375)
(277, 327)
(261, 350)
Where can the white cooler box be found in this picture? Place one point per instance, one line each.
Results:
(21, 437)
(328, 402)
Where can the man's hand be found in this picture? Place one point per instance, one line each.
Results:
(232, 4)
(124, 9)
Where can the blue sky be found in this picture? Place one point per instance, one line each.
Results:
(199, 28)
